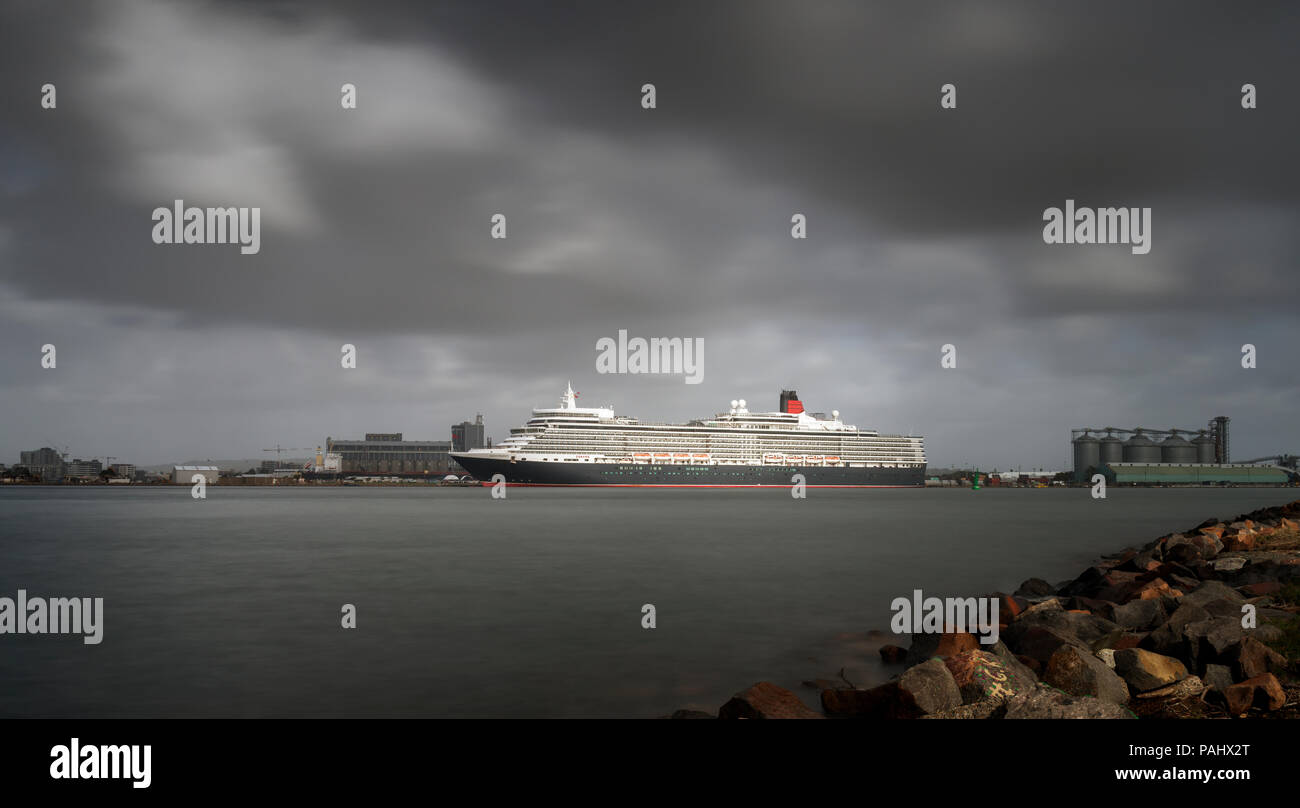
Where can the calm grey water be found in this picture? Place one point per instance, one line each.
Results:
(529, 606)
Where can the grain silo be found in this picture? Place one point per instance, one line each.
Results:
(1087, 455)
(1112, 449)
(1175, 449)
(1140, 449)
(1204, 447)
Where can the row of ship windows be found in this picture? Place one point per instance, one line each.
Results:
(697, 436)
(685, 468)
(733, 459)
(641, 470)
(804, 447)
(573, 429)
(587, 434)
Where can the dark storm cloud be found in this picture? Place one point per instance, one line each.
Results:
(925, 225)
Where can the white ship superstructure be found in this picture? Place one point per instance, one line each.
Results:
(737, 439)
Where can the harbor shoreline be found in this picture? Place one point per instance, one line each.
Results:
(1203, 623)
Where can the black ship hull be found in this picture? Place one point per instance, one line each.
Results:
(669, 475)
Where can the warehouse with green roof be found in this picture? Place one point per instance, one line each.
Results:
(1193, 474)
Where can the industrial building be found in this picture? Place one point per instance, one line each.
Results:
(1192, 474)
(1172, 460)
(184, 475)
(388, 453)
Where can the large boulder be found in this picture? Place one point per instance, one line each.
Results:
(981, 676)
(1218, 677)
(1254, 658)
(1086, 630)
(1228, 564)
(1045, 605)
(1169, 638)
(931, 686)
(1211, 641)
(1018, 665)
(1039, 643)
(1186, 553)
(1035, 588)
(1143, 670)
(1043, 701)
(1087, 583)
(1080, 673)
(1208, 542)
(1210, 591)
(766, 700)
(1264, 692)
(921, 690)
(1185, 614)
(1141, 615)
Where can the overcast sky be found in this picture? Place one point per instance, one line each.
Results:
(924, 224)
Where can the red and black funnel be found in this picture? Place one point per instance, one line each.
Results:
(790, 402)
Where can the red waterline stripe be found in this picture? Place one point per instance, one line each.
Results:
(683, 485)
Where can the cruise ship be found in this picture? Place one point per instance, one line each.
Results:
(592, 446)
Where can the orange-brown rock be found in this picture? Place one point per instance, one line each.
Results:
(766, 700)
(1155, 589)
(1253, 658)
(1264, 692)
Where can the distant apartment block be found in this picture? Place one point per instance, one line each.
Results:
(466, 435)
(83, 469)
(45, 463)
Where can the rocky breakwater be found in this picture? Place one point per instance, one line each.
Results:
(1204, 623)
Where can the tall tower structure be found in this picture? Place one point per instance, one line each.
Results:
(1219, 432)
